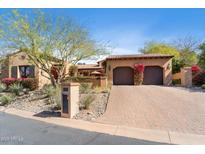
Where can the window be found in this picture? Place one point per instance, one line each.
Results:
(27, 71)
(14, 71)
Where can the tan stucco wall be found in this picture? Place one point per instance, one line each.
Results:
(186, 77)
(19, 60)
(176, 76)
(162, 62)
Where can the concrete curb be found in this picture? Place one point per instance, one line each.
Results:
(137, 133)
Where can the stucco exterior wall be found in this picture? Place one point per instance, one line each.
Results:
(42, 80)
(176, 76)
(164, 63)
(20, 59)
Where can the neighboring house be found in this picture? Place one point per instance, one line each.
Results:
(91, 69)
(120, 69)
(17, 65)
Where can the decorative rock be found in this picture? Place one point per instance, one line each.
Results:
(97, 107)
(34, 101)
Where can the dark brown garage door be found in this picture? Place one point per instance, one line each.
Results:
(123, 76)
(153, 75)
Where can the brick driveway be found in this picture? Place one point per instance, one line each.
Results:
(157, 107)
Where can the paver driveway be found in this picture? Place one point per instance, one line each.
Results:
(157, 107)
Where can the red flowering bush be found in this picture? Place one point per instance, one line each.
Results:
(9, 81)
(198, 75)
(30, 83)
(139, 68)
(199, 78)
(139, 74)
(195, 68)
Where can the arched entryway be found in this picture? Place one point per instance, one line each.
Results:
(153, 75)
(123, 76)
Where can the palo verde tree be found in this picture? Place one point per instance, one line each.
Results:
(46, 40)
(188, 47)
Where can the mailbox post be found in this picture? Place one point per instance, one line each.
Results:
(69, 99)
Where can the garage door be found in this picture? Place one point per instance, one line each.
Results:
(123, 76)
(153, 75)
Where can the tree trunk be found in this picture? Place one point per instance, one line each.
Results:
(53, 81)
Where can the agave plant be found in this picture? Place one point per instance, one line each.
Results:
(16, 89)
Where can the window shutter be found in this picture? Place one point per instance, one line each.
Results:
(14, 71)
(32, 71)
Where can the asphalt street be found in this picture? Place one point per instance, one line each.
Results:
(16, 130)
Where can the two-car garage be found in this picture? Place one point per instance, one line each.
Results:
(157, 69)
(153, 75)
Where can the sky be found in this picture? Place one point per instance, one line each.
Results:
(127, 30)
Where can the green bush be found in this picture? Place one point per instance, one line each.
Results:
(6, 99)
(203, 86)
(85, 88)
(16, 88)
(2, 87)
(57, 97)
(176, 81)
(49, 90)
(88, 100)
(29, 83)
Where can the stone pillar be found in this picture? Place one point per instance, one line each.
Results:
(69, 99)
(186, 77)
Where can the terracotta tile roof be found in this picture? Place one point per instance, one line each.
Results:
(111, 57)
(89, 66)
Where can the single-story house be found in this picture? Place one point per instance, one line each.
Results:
(18, 65)
(120, 69)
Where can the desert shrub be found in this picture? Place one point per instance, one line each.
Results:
(29, 83)
(49, 90)
(203, 86)
(54, 94)
(87, 100)
(16, 88)
(57, 97)
(9, 81)
(6, 99)
(2, 87)
(85, 88)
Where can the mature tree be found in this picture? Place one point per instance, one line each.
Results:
(202, 56)
(154, 47)
(163, 48)
(189, 43)
(46, 40)
(188, 47)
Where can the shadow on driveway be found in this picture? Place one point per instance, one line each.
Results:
(45, 114)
